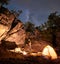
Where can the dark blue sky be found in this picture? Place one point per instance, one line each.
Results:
(36, 11)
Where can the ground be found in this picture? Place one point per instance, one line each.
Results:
(7, 57)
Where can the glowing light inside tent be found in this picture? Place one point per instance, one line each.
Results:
(50, 52)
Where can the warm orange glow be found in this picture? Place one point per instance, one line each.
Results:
(36, 54)
(2, 29)
(24, 52)
(50, 52)
(18, 50)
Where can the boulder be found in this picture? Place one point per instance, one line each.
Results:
(17, 34)
(11, 29)
(3, 31)
(5, 24)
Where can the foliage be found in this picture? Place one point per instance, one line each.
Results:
(29, 27)
(16, 13)
(53, 21)
(2, 8)
(50, 28)
(4, 2)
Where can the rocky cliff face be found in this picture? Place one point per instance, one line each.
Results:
(16, 34)
(5, 24)
(11, 29)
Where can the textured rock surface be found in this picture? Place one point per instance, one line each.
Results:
(5, 24)
(11, 29)
(3, 31)
(17, 34)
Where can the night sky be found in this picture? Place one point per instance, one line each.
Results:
(36, 11)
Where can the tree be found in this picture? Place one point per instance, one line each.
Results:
(29, 27)
(4, 2)
(50, 28)
(53, 20)
(2, 8)
(53, 25)
(16, 13)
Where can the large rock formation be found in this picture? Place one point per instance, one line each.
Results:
(5, 24)
(11, 29)
(16, 34)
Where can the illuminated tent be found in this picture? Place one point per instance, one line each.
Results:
(48, 51)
